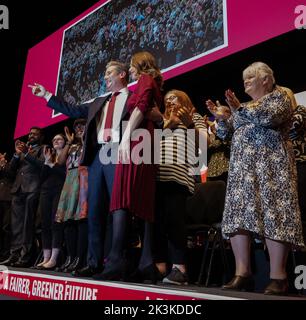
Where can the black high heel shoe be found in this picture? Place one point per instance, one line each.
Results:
(149, 275)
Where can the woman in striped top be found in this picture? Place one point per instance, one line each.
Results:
(184, 131)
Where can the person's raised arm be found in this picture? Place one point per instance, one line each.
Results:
(53, 102)
(62, 158)
(186, 118)
(224, 119)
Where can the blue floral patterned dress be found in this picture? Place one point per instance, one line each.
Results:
(261, 192)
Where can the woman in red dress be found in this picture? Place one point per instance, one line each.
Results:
(134, 181)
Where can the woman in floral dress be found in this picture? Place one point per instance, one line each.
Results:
(261, 193)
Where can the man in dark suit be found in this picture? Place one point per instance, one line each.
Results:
(100, 176)
(102, 136)
(26, 165)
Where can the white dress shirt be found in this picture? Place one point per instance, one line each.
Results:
(119, 106)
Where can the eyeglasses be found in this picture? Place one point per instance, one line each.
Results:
(170, 98)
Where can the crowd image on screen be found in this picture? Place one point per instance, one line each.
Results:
(172, 30)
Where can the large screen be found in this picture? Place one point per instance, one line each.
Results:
(182, 34)
(175, 32)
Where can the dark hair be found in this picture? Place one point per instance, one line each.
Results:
(41, 132)
(39, 129)
(79, 121)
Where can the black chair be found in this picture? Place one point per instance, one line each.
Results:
(204, 215)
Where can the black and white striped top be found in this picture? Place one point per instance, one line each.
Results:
(178, 156)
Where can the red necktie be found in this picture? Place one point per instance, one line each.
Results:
(107, 134)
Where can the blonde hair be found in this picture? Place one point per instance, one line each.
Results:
(144, 62)
(262, 70)
(183, 99)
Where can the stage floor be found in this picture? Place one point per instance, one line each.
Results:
(34, 284)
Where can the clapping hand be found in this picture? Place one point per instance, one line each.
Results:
(220, 112)
(47, 154)
(174, 119)
(232, 100)
(205, 120)
(21, 147)
(69, 136)
(2, 156)
(185, 116)
(3, 161)
(38, 90)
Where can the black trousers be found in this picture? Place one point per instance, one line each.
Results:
(48, 203)
(76, 239)
(5, 225)
(169, 231)
(24, 209)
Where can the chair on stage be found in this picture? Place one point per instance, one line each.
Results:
(204, 215)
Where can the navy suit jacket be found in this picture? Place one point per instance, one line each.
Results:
(90, 111)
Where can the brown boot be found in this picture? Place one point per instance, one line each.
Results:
(240, 283)
(277, 287)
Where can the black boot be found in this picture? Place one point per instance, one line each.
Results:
(87, 271)
(149, 275)
(65, 265)
(74, 265)
(113, 271)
